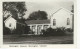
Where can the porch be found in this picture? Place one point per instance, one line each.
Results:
(37, 28)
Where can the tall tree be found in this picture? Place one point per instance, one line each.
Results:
(38, 15)
(16, 9)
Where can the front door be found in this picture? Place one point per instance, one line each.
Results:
(39, 29)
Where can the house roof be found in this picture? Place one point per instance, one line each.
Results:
(37, 22)
(9, 18)
(60, 9)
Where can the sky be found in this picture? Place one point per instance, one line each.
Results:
(49, 6)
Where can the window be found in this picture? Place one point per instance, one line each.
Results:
(10, 25)
(68, 21)
(54, 22)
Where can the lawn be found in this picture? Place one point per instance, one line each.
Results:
(16, 39)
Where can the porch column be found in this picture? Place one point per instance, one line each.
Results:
(36, 29)
(42, 28)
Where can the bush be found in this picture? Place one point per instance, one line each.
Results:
(26, 29)
(21, 29)
(60, 31)
(6, 31)
(49, 32)
(54, 32)
(69, 30)
(31, 32)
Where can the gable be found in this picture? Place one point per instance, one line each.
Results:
(9, 19)
(63, 10)
(61, 13)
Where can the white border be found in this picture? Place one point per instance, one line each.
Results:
(48, 45)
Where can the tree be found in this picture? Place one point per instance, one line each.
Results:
(22, 29)
(37, 15)
(16, 9)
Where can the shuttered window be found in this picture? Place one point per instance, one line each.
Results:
(10, 25)
(68, 21)
(54, 22)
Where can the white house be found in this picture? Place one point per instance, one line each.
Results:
(60, 18)
(13, 24)
(10, 23)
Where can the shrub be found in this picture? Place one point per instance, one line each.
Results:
(31, 32)
(44, 32)
(6, 31)
(69, 30)
(26, 29)
(21, 29)
(49, 32)
(60, 31)
(54, 32)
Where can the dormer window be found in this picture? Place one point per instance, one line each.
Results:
(54, 22)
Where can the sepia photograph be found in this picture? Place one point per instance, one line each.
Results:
(38, 22)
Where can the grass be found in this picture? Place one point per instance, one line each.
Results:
(18, 39)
